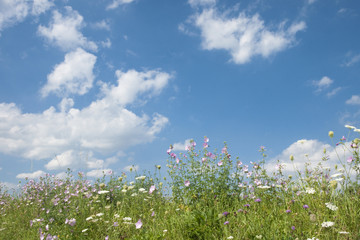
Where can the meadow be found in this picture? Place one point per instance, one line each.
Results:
(205, 195)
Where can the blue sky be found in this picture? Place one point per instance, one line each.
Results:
(104, 85)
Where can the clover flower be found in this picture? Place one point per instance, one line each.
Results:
(331, 206)
(327, 224)
(310, 190)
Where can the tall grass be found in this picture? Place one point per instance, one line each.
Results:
(208, 195)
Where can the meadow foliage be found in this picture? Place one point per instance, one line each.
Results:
(205, 195)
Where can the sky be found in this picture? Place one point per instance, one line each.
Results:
(100, 86)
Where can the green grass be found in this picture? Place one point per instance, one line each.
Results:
(207, 196)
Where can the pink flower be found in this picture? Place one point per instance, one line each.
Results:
(187, 183)
(152, 188)
(138, 224)
(220, 163)
(349, 160)
(206, 139)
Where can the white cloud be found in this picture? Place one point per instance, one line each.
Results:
(311, 1)
(117, 3)
(352, 60)
(73, 76)
(133, 83)
(181, 146)
(131, 167)
(99, 173)
(196, 3)
(105, 126)
(64, 31)
(41, 6)
(101, 25)
(12, 12)
(106, 44)
(323, 83)
(33, 175)
(333, 92)
(354, 100)
(244, 37)
(314, 149)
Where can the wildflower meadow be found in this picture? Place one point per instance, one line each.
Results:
(206, 194)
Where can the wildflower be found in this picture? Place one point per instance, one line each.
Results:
(103, 192)
(140, 178)
(293, 228)
(258, 236)
(116, 224)
(127, 219)
(225, 213)
(142, 190)
(165, 231)
(288, 211)
(220, 163)
(158, 166)
(152, 189)
(153, 214)
(305, 206)
(107, 238)
(264, 187)
(313, 238)
(327, 224)
(258, 200)
(230, 237)
(84, 230)
(138, 224)
(99, 214)
(310, 190)
(343, 232)
(350, 159)
(89, 218)
(226, 222)
(350, 127)
(331, 206)
(331, 134)
(247, 205)
(187, 183)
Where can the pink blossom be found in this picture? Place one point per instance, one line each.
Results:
(220, 163)
(152, 188)
(350, 159)
(187, 183)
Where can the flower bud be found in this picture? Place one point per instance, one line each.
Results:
(292, 157)
(331, 134)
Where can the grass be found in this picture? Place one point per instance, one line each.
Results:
(207, 196)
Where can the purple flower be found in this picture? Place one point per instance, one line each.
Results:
(153, 214)
(247, 205)
(293, 228)
(225, 213)
(288, 211)
(226, 223)
(305, 206)
(187, 183)
(258, 200)
(107, 238)
(116, 224)
(138, 224)
(349, 160)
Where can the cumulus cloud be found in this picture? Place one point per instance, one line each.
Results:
(105, 126)
(41, 6)
(309, 151)
(117, 3)
(33, 175)
(98, 173)
(352, 59)
(15, 11)
(333, 92)
(354, 100)
(12, 12)
(132, 83)
(181, 146)
(64, 31)
(103, 24)
(323, 83)
(73, 76)
(244, 37)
